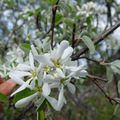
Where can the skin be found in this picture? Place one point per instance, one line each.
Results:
(6, 88)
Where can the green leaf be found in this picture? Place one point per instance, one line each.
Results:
(69, 22)
(115, 66)
(109, 73)
(25, 46)
(52, 2)
(116, 63)
(58, 18)
(118, 9)
(22, 94)
(119, 86)
(115, 69)
(89, 43)
(3, 98)
(30, 13)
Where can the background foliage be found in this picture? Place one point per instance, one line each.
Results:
(22, 22)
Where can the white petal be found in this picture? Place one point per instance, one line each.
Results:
(71, 87)
(63, 45)
(31, 59)
(19, 74)
(17, 79)
(67, 53)
(48, 78)
(57, 105)
(34, 51)
(56, 84)
(25, 101)
(53, 102)
(46, 89)
(60, 73)
(23, 67)
(45, 59)
(61, 99)
(81, 73)
(73, 68)
(22, 87)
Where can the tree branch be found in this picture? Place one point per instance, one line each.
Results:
(73, 35)
(97, 78)
(54, 9)
(96, 40)
(111, 100)
(90, 59)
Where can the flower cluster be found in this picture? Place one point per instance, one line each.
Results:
(48, 75)
(87, 9)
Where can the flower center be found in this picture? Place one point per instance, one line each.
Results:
(47, 69)
(57, 63)
(34, 74)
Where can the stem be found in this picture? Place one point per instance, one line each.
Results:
(40, 115)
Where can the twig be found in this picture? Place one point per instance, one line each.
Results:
(54, 9)
(109, 15)
(90, 59)
(73, 35)
(111, 100)
(96, 40)
(38, 25)
(97, 78)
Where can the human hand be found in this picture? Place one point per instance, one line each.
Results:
(6, 88)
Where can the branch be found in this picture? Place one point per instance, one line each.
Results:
(97, 78)
(38, 25)
(111, 100)
(109, 15)
(54, 9)
(73, 35)
(90, 59)
(96, 40)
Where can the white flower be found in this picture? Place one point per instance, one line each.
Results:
(25, 70)
(57, 57)
(54, 70)
(15, 55)
(57, 104)
(43, 93)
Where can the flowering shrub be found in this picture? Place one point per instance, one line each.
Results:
(59, 53)
(45, 72)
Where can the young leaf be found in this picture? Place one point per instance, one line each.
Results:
(3, 98)
(25, 46)
(51, 1)
(116, 63)
(88, 42)
(115, 69)
(109, 74)
(58, 18)
(22, 94)
(69, 22)
(119, 86)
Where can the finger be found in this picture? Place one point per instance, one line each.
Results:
(7, 87)
(1, 80)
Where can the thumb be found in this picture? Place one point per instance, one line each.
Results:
(7, 87)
